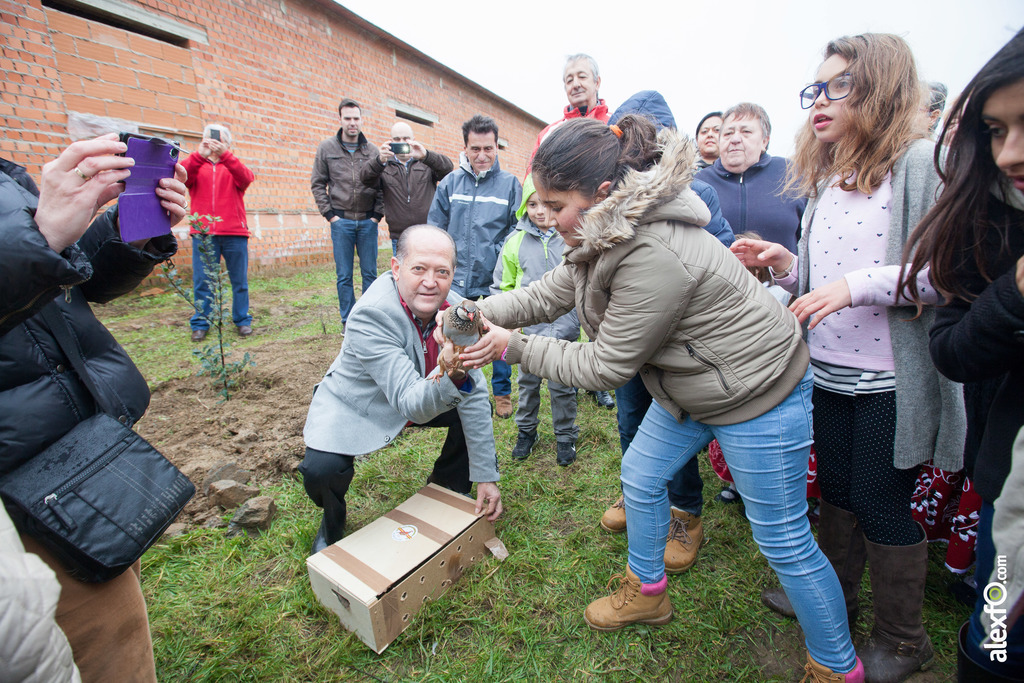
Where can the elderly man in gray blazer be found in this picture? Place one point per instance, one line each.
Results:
(382, 379)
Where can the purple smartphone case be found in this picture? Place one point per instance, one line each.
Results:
(141, 215)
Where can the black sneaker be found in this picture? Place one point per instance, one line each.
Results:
(604, 399)
(565, 453)
(524, 444)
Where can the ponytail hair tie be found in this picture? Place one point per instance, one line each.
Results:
(615, 129)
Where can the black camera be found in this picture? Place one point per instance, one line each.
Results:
(401, 148)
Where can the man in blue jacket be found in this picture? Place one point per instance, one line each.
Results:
(476, 204)
(749, 181)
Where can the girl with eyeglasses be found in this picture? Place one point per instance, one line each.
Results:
(880, 407)
(973, 239)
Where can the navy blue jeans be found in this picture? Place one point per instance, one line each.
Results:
(235, 251)
(686, 489)
(349, 238)
(501, 378)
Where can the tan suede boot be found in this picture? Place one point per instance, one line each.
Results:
(628, 605)
(614, 518)
(818, 673)
(503, 406)
(685, 536)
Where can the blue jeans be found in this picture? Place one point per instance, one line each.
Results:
(985, 550)
(394, 248)
(235, 251)
(501, 378)
(686, 490)
(350, 237)
(768, 460)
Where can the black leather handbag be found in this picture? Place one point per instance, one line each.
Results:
(101, 495)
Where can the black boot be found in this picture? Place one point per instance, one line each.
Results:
(969, 671)
(898, 645)
(320, 540)
(842, 542)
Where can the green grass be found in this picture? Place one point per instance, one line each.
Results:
(241, 609)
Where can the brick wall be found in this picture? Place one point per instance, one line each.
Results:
(274, 71)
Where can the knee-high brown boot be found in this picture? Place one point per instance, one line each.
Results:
(842, 542)
(898, 645)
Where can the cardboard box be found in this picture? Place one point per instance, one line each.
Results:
(378, 577)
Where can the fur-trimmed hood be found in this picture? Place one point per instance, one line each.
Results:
(660, 193)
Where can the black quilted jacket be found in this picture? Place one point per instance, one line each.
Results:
(41, 397)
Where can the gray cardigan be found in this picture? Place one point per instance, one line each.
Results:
(376, 385)
(931, 422)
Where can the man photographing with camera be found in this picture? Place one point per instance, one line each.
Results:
(408, 175)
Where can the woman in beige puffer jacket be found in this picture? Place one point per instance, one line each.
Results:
(721, 357)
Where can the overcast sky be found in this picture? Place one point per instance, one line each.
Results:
(702, 56)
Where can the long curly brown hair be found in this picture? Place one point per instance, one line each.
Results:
(882, 116)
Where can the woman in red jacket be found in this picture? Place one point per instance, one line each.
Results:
(217, 181)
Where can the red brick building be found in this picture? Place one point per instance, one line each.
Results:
(272, 70)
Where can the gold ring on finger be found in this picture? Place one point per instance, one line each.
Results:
(82, 175)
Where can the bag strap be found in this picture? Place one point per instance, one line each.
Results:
(67, 342)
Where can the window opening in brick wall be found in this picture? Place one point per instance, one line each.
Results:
(132, 18)
(415, 119)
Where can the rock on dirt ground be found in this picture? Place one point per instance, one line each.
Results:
(259, 429)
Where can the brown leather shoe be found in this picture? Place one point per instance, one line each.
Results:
(244, 330)
(627, 605)
(614, 518)
(503, 406)
(685, 536)
(198, 335)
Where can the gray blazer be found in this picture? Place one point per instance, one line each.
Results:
(931, 422)
(376, 385)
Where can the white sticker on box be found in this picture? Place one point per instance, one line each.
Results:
(404, 533)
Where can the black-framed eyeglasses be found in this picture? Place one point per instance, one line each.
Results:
(836, 88)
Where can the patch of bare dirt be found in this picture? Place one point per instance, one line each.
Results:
(259, 428)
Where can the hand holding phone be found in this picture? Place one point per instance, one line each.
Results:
(75, 185)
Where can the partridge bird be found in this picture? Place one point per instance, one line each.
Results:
(461, 328)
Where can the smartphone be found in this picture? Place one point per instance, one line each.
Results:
(215, 134)
(401, 148)
(140, 215)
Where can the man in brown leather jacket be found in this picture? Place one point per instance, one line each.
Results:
(407, 179)
(352, 208)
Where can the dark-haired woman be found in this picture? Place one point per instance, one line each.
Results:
(721, 357)
(973, 240)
